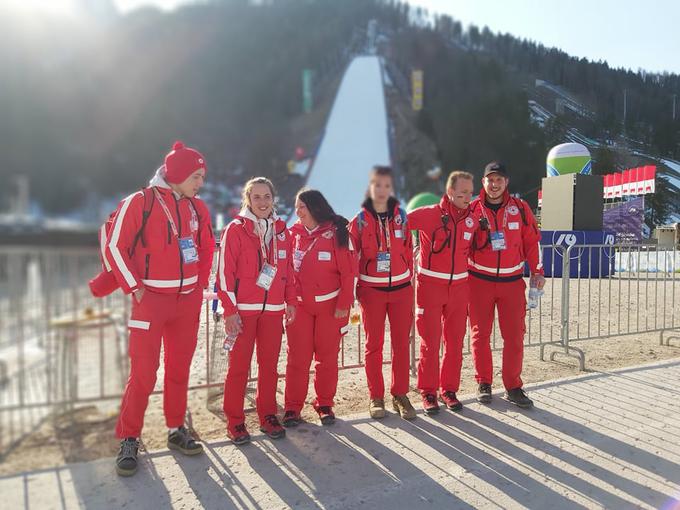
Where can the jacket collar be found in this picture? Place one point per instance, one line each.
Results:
(158, 181)
(299, 229)
(392, 205)
(266, 224)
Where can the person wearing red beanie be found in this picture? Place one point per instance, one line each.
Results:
(159, 248)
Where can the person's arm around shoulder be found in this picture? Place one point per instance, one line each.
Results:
(415, 220)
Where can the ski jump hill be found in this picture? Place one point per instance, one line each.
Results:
(355, 139)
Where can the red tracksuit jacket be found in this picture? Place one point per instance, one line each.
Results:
(240, 262)
(370, 237)
(326, 270)
(522, 238)
(157, 261)
(445, 239)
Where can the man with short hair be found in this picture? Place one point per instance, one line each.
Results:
(507, 238)
(442, 295)
(166, 272)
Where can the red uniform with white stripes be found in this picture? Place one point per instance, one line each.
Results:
(384, 289)
(442, 294)
(247, 245)
(171, 261)
(324, 282)
(497, 281)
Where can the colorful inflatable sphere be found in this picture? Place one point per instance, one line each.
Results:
(422, 199)
(568, 158)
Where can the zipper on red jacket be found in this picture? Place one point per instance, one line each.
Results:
(179, 248)
(259, 268)
(453, 250)
(498, 264)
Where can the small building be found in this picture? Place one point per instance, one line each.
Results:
(668, 236)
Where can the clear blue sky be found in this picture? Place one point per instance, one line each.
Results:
(626, 33)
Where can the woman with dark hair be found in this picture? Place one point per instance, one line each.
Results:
(255, 286)
(384, 290)
(324, 269)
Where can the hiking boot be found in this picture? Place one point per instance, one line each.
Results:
(272, 427)
(519, 398)
(484, 393)
(430, 403)
(451, 401)
(182, 441)
(239, 434)
(291, 419)
(126, 461)
(376, 408)
(402, 405)
(326, 415)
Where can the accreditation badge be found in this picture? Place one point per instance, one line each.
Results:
(188, 249)
(383, 262)
(266, 277)
(498, 241)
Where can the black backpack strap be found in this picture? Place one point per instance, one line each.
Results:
(146, 212)
(520, 205)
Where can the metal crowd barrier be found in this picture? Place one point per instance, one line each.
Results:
(60, 347)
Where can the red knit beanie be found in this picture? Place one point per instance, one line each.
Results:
(181, 162)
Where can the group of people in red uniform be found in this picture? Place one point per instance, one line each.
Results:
(468, 261)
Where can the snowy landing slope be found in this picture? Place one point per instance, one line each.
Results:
(356, 138)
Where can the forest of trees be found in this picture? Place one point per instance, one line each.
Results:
(91, 108)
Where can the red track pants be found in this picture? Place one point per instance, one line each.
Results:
(314, 332)
(509, 299)
(174, 318)
(263, 331)
(441, 305)
(375, 306)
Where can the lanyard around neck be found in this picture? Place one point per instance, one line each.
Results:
(384, 233)
(263, 247)
(167, 212)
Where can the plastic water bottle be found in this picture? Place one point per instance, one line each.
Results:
(534, 297)
(228, 344)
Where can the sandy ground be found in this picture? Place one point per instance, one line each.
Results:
(87, 432)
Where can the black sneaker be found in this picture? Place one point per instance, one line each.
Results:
(181, 440)
(519, 398)
(126, 461)
(484, 393)
(291, 419)
(326, 415)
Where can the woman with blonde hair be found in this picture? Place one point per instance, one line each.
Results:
(255, 287)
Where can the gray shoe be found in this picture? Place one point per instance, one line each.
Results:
(182, 441)
(518, 397)
(402, 405)
(484, 393)
(126, 461)
(376, 408)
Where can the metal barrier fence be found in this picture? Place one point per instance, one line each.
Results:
(59, 346)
